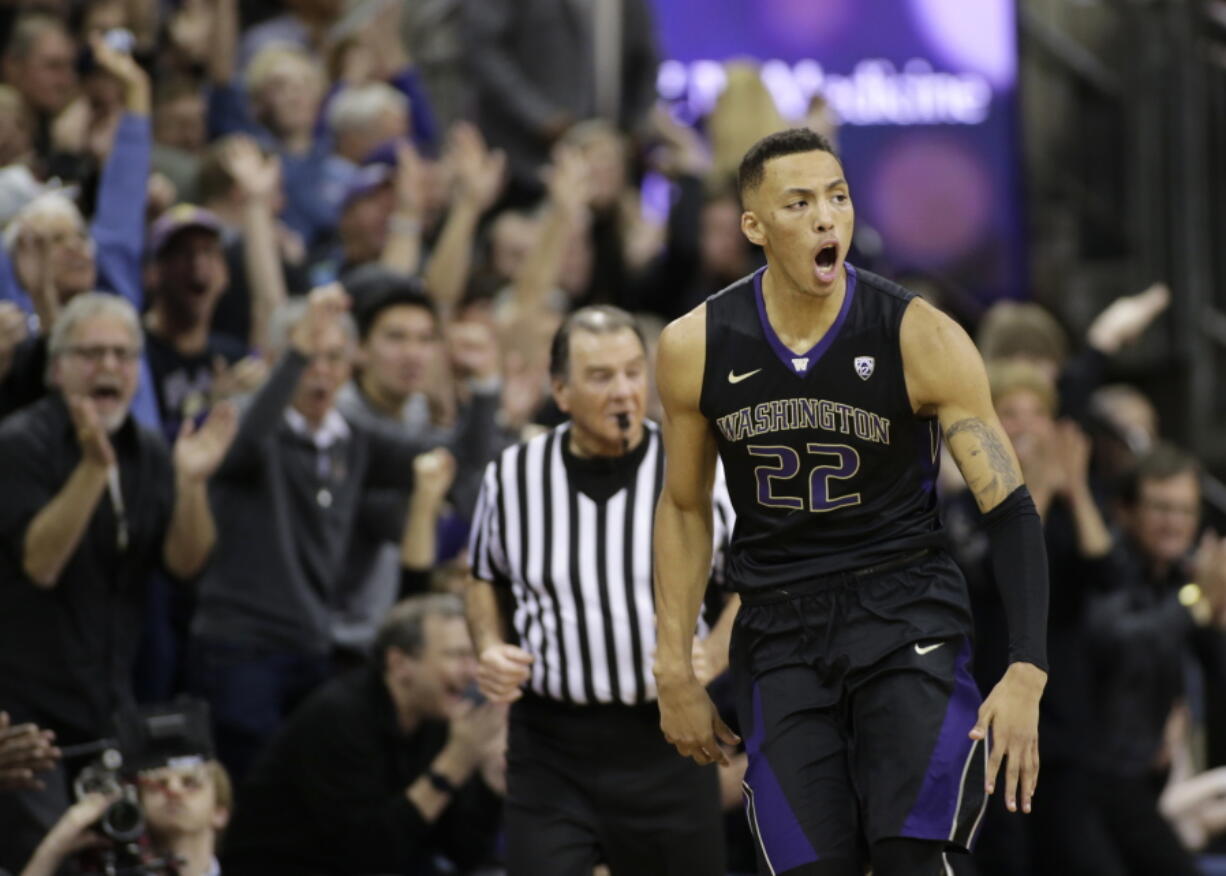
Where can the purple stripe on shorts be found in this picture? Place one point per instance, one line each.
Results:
(783, 839)
(936, 806)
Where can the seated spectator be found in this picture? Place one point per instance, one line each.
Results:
(186, 807)
(1142, 637)
(297, 481)
(383, 770)
(93, 503)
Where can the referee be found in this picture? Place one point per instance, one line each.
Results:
(562, 540)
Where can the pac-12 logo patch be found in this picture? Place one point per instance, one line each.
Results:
(864, 366)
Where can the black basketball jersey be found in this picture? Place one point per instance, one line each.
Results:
(828, 467)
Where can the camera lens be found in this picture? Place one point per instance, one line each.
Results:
(123, 821)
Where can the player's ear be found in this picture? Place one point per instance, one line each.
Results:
(752, 228)
(561, 394)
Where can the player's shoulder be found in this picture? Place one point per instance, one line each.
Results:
(867, 281)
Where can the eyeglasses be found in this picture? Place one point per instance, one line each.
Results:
(96, 353)
(1172, 509)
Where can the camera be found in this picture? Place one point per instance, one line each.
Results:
(146, 738)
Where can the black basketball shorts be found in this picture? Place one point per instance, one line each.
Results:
(855, 698)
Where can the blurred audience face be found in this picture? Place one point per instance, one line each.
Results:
(69, 250)
(363, 225)
(1026, 419)
(400, 350)
(605, 153)
(103, 16)
(606, 376)
(433, 682)
(46, 75)
(289, 96)
(1166, 517)
(182, 801)
(191, 275)
(100, 362)
(512, 236)
(723, 246)
(180, 122)
(327, 372)
(16, 127)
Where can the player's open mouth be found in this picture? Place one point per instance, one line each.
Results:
(104, 393)
(825, 261)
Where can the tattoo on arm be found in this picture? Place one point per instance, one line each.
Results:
(1001, 476)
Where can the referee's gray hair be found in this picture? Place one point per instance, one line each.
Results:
(87, 306)
(285, 317)
(599, 319)
(403, 627)
(360, 105)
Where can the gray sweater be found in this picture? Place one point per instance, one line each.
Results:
(286, 513)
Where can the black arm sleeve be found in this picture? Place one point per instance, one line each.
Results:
(1019, 560)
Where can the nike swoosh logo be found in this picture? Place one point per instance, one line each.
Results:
(924, 649)
(737, 378)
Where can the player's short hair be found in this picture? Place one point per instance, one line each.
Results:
(1162, 463)
(403, 627)
(599, 319)
(1008, 377)
(753, 166)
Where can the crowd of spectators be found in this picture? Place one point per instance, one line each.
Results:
(279, 280)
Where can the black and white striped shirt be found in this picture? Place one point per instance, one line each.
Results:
(579, 569)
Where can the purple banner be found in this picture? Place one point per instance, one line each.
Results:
(926, 94)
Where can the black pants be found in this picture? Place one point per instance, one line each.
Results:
(590, 784)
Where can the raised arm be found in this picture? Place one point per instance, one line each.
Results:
(683, 543)
(945, 378)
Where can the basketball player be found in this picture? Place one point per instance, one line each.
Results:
(826, 391)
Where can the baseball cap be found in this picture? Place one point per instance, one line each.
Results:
(178, 218)
(364, 181)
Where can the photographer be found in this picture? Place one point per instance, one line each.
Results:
(185, 808)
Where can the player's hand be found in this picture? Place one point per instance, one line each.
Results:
(691, 723)
(1011, 715)
(502, 670)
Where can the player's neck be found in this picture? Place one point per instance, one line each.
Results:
(798, 317)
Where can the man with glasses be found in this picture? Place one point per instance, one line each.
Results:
(1145, 638)
(92, 504)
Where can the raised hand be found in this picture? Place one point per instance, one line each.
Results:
(25, 751)
(36, 273)
(567, 180)
(1127, 317)
(1071, 448)
(325, 304)
(474, 350)
(684, 150)
(257, 175)
(409, 181)
(198, 452)
(243, 377)
(91, 434)
(480, 174)
(502, 671)
(121, 65)
(1009, 718)
(433, 473)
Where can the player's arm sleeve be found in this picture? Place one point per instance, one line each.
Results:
(486, 554)
(1019, 561)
